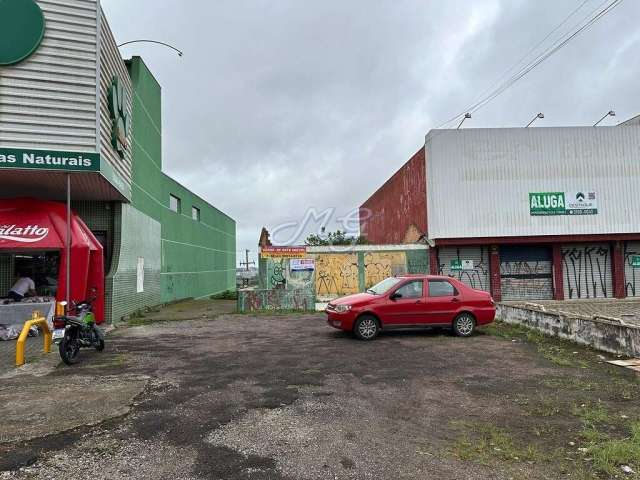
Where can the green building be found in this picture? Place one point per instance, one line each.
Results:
(161, 241)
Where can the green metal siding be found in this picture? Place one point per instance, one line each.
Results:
(138, 237)
(198, 257)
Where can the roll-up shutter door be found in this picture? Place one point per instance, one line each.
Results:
(586, 270)
(526, 272)
(470, 265)
(631, 273)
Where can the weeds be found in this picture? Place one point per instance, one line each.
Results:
(609, 455)
(486, 444)
(226, 295)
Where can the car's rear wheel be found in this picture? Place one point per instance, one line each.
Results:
(366, 327)
(464, 325)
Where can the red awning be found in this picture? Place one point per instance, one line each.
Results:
(30, 224)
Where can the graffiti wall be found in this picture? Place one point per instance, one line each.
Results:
(275, 299)
(280, 276)
(587, 271)
(476, 275)
(337, 273)
(526, 280)
(631, 273)
(380, 265)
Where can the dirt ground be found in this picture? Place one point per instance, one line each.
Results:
(205, 394)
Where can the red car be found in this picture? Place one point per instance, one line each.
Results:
(411, 301)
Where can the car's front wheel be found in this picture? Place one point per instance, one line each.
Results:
(464, 325)
(366, 327)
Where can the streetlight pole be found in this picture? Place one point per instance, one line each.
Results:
(466, 115)
(152, 41)
(540, 115)
(610, 113)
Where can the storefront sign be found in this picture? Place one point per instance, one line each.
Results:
(635, 261)
(563, 203)
(459, 265)
(120, 118)
(302, 264)
(23, 233)
(21, 30)
(266, 252)
(49, 160)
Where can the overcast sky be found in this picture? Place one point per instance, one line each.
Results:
(279, 106)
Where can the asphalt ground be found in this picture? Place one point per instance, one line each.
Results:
(196, 392)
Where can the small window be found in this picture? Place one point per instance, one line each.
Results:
(441, 288)
(195, 213)
(411, 290)
(174, 204)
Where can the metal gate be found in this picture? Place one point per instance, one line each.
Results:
(631, 272)
(470, 265)
(586, 270)
(526, 272)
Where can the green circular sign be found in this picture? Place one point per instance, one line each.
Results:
(21, 30)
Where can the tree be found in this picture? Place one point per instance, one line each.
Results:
(334, 238)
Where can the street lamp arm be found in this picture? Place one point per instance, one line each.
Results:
(151, 41)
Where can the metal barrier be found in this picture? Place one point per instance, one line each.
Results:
(36, 319)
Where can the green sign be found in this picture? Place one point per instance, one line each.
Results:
(21, 30)
(49, 160)
(456, 264)
(120, 118)
(635, 261)
(563, 203)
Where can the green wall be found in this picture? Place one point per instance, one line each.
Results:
(197, 257)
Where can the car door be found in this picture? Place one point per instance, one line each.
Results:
(442, 301)
(405, 305)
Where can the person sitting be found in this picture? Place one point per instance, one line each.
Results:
(23, 286)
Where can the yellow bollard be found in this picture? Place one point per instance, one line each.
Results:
(36, 319)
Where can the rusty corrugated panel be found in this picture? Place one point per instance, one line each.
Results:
(397, 211)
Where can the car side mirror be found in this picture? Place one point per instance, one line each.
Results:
(395, 296)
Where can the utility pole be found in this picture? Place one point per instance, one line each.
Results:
(247, 262)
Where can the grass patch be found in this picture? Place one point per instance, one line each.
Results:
(487, 444)
(557, 351)
(226, 295)
(591, 414)
(609, 455)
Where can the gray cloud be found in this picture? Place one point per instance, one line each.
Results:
(281, 106)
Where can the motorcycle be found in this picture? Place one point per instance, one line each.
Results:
(73, 332)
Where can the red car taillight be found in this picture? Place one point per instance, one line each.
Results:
(58, 323)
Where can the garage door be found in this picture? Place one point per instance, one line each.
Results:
(631, 272)
(526, 272)
(468, 264)
(587, 270)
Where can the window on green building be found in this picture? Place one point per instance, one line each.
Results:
(195, 213)
(175, 204)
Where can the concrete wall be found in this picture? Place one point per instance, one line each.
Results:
(344, 270)
(275, 299)
(604, 334)
(397, 211)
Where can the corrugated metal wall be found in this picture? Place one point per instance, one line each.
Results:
(631, 274)
(111, 64)
(587, 270)
(478, 180)
(49, 100)
(478, 276)
(397, 211)
(526, 272)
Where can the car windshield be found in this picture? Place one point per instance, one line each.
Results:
(383, 286)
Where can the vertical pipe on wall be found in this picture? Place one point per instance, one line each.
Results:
(494, 272)
(434, 263)
(617, 267)
(558, 285)
(68, 243)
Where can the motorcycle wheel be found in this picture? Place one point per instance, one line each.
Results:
(100, 345)
(69, 351)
